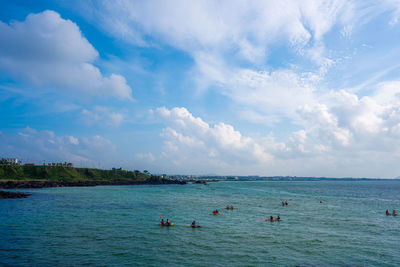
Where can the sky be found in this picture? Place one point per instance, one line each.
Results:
(292, 88)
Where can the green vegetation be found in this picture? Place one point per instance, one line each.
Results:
(59, 173)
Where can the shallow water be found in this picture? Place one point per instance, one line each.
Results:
(118, 225)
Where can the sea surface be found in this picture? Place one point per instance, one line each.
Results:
(119, 225)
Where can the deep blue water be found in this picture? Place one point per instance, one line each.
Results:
(118, 225)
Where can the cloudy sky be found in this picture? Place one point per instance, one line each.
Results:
(305, 88)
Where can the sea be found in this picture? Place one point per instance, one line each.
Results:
(326, 223)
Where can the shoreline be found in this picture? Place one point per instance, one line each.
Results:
(7, 194)
(49, 183)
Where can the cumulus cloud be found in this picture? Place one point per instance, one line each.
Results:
(349, 124)
(324, 125)
(327, 145)
(47, 51)
(188, 138)
(38, 146)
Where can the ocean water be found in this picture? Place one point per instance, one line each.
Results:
(119, 225)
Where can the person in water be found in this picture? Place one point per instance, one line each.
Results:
(387, 213)
(271, 219)
(168, 222)
(162, 222)
(194, 224)
(278, 218)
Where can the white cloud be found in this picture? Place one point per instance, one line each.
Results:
(274, 94)
(73, 140)
(349, 124)
(220, 35)
(171, 134)
(189, 139)
(47, 51)
(235, 29)
(362, 116)
(387, 93)
(214, 25)
(324, 125)
(328, 145)
(102, 116)
(230, 32)
(183, 120)
(39, 146)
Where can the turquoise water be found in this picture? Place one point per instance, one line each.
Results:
(118, 225)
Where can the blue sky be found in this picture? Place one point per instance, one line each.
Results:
(304, 88)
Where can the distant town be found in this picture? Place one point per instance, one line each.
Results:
(216, 178)
(16, 161)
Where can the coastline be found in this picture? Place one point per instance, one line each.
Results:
(48, 183)
(21, 176)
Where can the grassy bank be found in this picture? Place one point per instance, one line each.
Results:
(59, 173)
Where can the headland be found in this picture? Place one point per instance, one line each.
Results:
(18, 176)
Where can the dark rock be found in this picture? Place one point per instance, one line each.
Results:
(154, 180)
(6, 194)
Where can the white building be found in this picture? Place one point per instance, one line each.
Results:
(12, 161)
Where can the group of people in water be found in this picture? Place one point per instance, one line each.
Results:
(272, 219)
(230, 207)
(167, 223)
(268, 219)
(215, 212)
(393, 213)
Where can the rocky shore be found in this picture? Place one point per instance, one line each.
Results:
(6, 194)
(47, 183)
